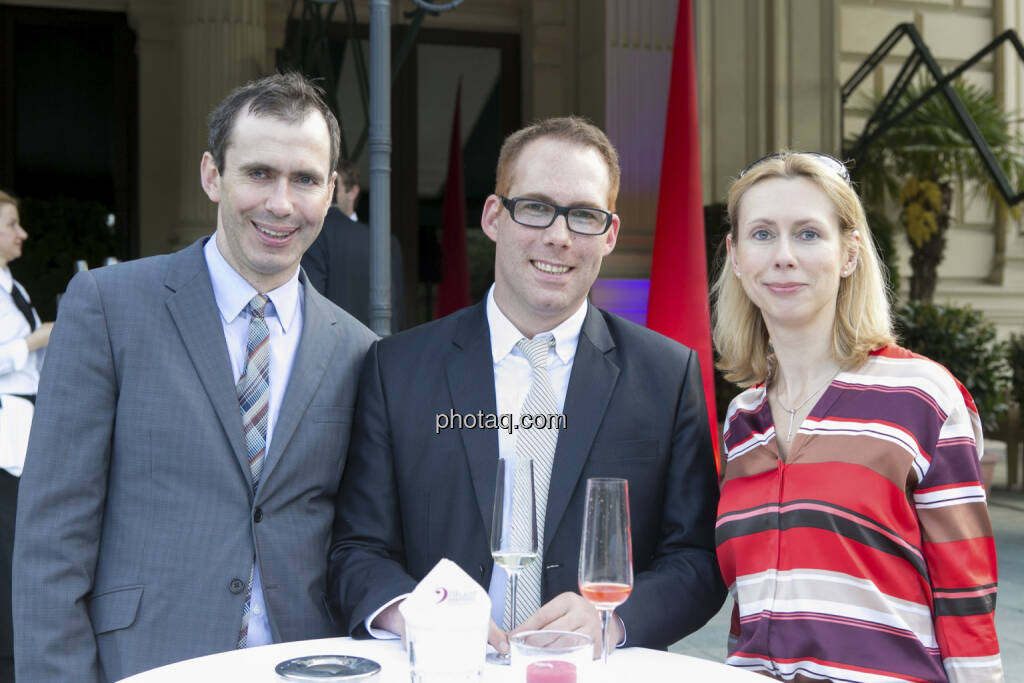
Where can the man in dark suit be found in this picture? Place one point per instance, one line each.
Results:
(632, 403)
(192, 423)
(338, 262)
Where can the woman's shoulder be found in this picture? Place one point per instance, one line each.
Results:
(896, 360)
(747, 403)
(894, 365)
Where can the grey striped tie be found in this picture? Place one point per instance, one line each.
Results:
(538, 444)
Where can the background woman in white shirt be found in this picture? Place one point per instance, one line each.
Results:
(23, 340)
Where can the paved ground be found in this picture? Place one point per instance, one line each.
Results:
(1007, 511)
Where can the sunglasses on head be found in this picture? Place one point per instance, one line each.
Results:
(829, 161)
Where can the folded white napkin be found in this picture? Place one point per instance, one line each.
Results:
(15, 422)
(447, 596)
(446, 621)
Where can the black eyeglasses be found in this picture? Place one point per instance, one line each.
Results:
(537, 213)
(830, 161)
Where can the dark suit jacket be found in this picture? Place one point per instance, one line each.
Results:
(338, 265)
(634, 409)
(137, 523)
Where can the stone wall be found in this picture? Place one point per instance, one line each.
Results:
(984, 264)
(769, 73)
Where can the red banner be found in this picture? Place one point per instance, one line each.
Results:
(453, 290)
(678, 304)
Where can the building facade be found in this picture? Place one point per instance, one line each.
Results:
(769, 73)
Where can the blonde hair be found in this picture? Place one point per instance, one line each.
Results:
(7, 199)
(862, 321)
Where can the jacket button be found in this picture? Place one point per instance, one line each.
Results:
(257, 515)
(236, 586)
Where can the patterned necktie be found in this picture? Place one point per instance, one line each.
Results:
(538, 444)
(24, 306)
(252, 399)
(252, 388)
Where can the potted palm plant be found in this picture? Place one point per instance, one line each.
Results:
(921, 159)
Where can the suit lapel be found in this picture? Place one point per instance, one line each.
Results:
(591, 384)
(316, 348)
(194, 311)
(470, 370)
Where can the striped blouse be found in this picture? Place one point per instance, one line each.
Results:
(868, 554)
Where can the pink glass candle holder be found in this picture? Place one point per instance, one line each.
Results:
(551, 671)
(551, 656)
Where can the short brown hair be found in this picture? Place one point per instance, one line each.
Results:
(8, 199)
(288, 97)
(572, 129)
(348, 174)
(862, 321)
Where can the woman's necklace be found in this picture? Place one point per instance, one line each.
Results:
(792, 411)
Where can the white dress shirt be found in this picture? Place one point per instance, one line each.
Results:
(283, 314)
(19, 369)
(19, 374)
(512, 378)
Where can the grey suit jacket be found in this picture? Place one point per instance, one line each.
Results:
(137, 524)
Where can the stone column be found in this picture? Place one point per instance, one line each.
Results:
(767, 79)
(549, 56)
(638, 43)
(222, 47)
(1007, 87)
(156, 28)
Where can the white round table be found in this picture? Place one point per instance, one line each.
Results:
(256, 665)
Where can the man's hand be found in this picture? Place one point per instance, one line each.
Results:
(391, 620)
(497, 638)
(570, 612)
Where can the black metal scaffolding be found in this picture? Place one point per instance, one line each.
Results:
(886, 114)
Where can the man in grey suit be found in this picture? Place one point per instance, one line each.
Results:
(192, 423)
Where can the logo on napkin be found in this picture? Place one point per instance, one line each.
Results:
(447, 594)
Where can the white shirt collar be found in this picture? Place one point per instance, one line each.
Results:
(6, 280)
(233, 293)
(505, 335)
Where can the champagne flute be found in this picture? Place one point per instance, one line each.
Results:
(513, 526)
(606, 565)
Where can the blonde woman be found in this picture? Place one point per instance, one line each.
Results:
(852, 531)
